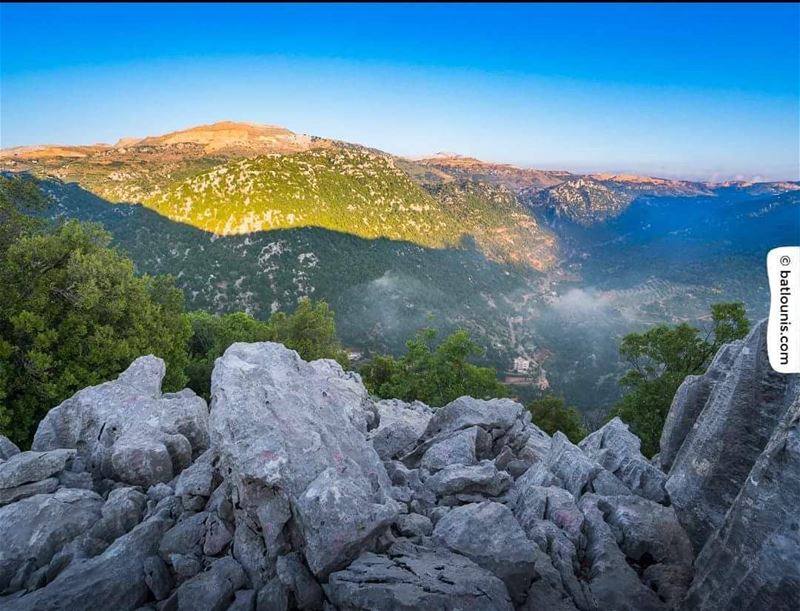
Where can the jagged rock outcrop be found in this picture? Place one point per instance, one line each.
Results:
(753, 561)
(291, 437)
(741, 413)
(735, 479)
(127, 430)
(300, 492)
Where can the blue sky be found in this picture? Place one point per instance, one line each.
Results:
(697, 91)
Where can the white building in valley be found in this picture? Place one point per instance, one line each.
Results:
(522, 365)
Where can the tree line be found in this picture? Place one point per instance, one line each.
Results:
(73, 313)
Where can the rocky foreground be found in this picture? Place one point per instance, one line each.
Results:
(295, 490)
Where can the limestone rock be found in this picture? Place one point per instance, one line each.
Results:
(534, 503)
(481, 479)
(613, 583)
(287, 442)
(456, 449)
(689, 401)
(573, 468)
(35, 528)
(7, 448)
(414, 526)
(297, 580)
(730, 433)
(399, 428)
(157, 577)
(652, 539)
(123, 509)
(113, 580)
(27, 467)
(411, 577)
(489, 535)
(753, 561)
(11, 495)
(616, 449)
(126, 429)
(212, 590)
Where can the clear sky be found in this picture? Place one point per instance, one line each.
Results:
(698, 91)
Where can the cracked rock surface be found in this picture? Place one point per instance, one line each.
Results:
(295, 489)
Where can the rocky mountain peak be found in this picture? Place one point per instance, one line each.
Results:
(225, 134)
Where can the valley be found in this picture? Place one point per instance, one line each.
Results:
(531, 262)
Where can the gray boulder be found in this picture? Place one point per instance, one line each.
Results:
(11, 495)
(198, 479)
(212, 590)
(575, 470)
(126, 429)
(399, 428)
(157, 577)
(455, 449)
(414, 526)
(563, 559)
(481, 479)
(536, 447)
(296, 578)
(546, 591)
(243, 600)
(185, 538)
(123, 509)
(218, 535)
(113, 580)
(272, 597)
(489, 535)
(617, 450)
(35, 528)
(347, 385)
(535, 503)
(291, 443)
(612, 581)
(7, 448)
(506, 423)
(410, 577)
(652, 539)
(753, 561)
(740, 416)
(27, 467)
(689, 401)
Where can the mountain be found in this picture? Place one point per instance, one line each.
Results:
(449, 166)
(233, 179)
(550, 267)
(597, 198)
(137, 168)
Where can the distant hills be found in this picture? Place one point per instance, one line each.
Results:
(233, 178)
(532, 262)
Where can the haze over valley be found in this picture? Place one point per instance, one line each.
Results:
(549, 268)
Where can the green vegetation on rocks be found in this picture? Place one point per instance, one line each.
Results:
(433, 375)
(661, 358)
(310, 330)
(551, 414)
(74, 314)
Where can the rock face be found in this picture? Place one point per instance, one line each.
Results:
(300, 492)
(734, 426)
(126, 430)
(753, 561)
(735, 479)
(291, 437)
(408, 578)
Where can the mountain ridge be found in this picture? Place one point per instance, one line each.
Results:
(219, 134)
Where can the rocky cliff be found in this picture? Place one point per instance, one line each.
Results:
(295, 490)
